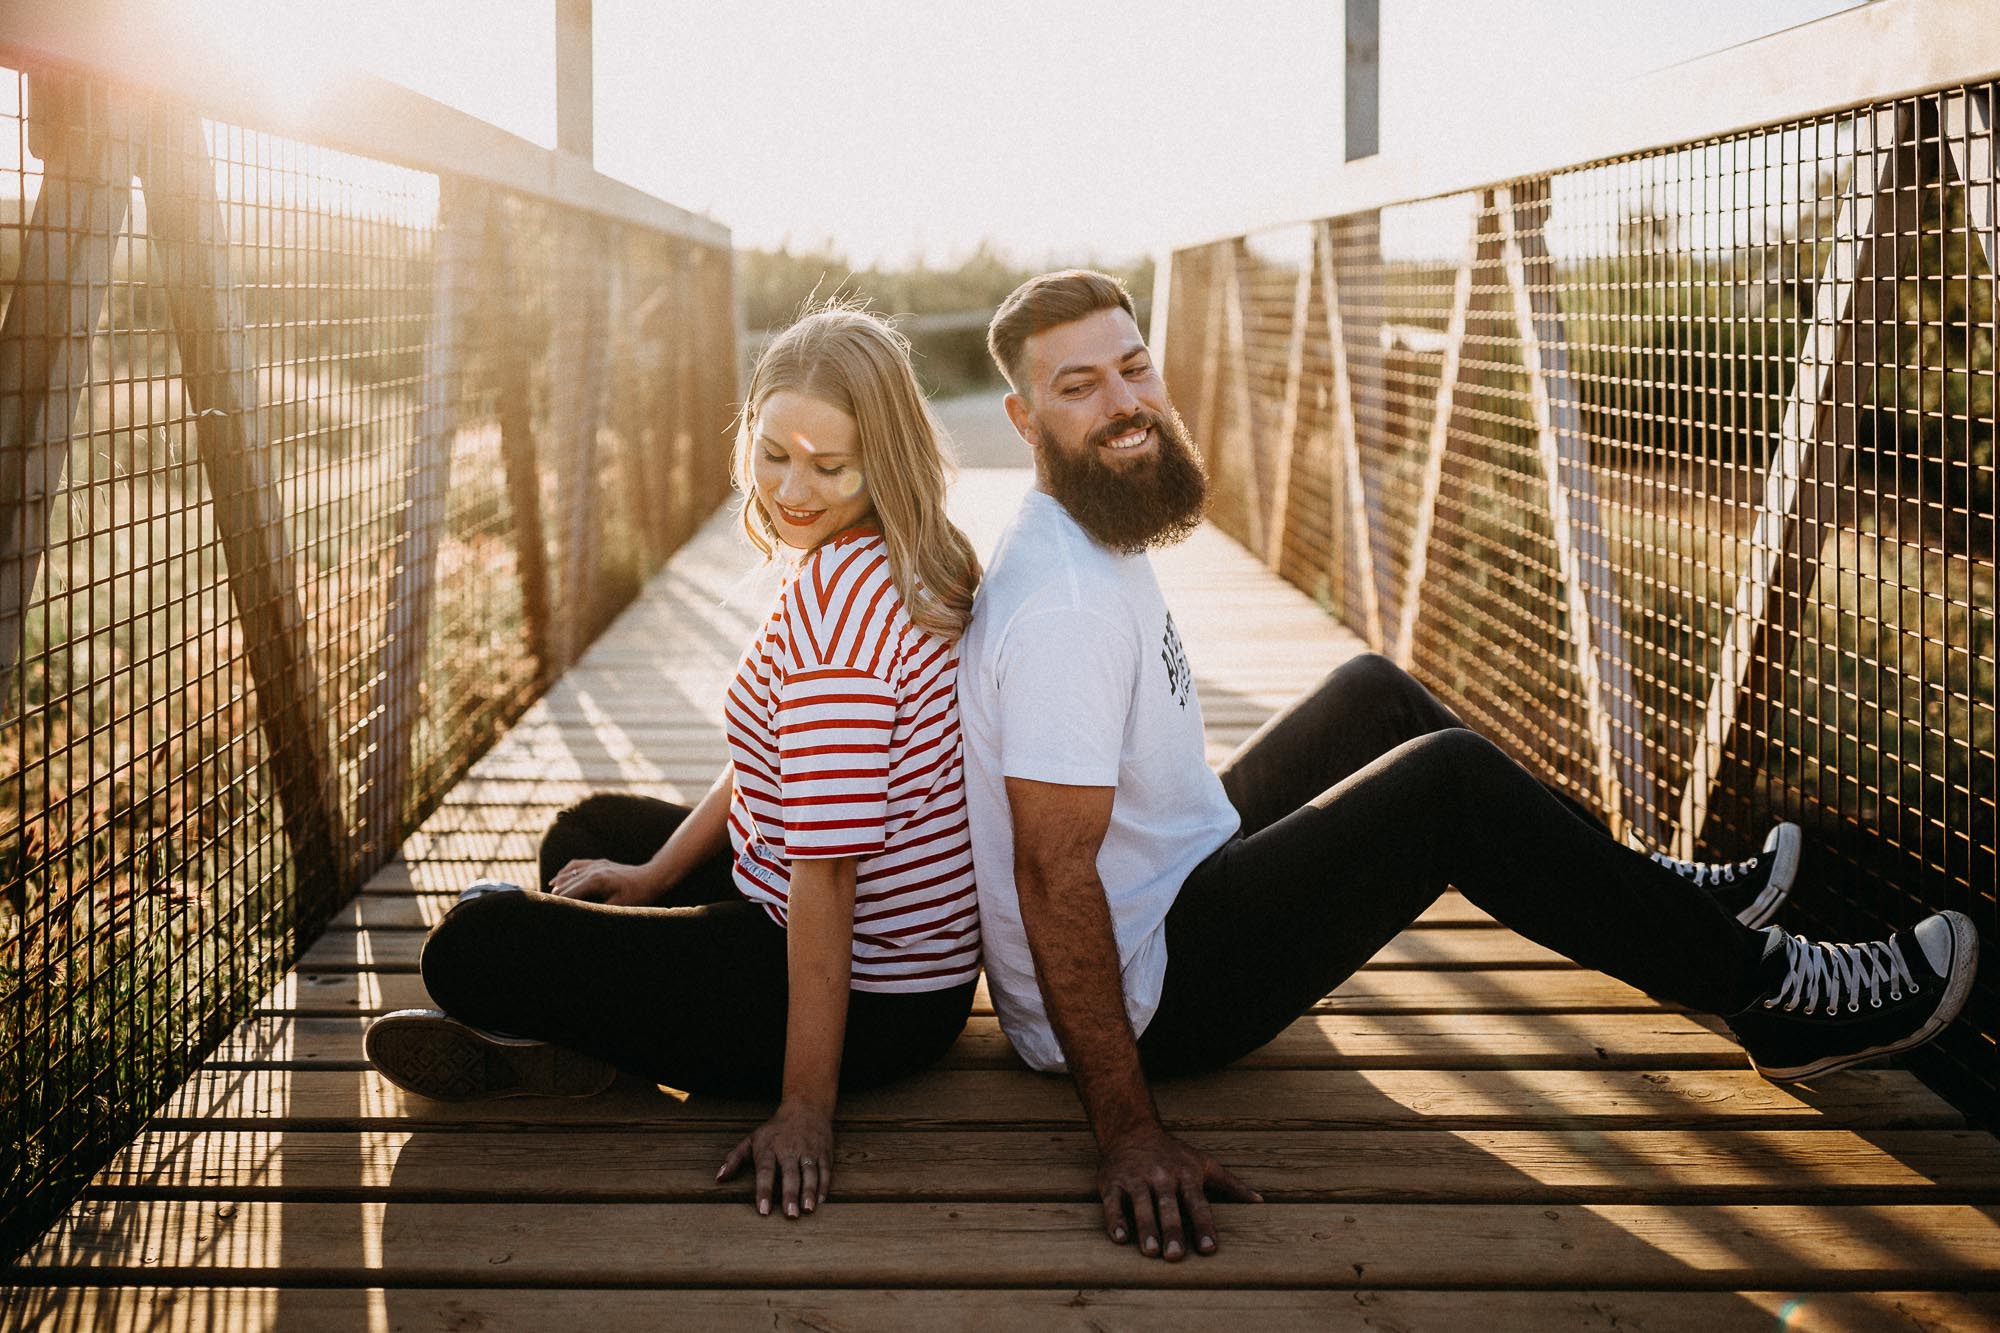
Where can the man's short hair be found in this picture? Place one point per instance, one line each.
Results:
(1044, 303)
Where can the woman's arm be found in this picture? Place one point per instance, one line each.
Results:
(794, 1148)
(699, 836)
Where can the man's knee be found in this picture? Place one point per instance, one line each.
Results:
(1454, 754)
(1372, 674)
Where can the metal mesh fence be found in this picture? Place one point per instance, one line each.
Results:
(1674, 474)
(315, 470)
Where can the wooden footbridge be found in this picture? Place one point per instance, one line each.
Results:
(359, 482)
(1471, 1133)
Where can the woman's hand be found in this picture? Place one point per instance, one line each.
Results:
(610, 882)
(793, 1150)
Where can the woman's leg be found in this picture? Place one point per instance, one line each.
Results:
(623, 827)
(1275, 920)
(693, 997)
(689, 996)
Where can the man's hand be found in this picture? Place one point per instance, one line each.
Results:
(1163, 1184)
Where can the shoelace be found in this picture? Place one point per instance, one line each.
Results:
(1840, 971)
(1705, 873)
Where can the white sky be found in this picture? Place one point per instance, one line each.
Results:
(1057, 130)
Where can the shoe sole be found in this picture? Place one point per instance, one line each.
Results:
(1784, 842)
(434, 1055)
(1964, 963)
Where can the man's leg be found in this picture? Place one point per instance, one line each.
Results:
(1275, 920)
(1363, 709)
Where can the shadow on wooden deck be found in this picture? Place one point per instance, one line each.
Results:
(1470, 1133)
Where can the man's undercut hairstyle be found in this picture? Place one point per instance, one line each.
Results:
(1046, 302)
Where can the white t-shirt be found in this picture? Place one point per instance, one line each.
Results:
(1072, 673)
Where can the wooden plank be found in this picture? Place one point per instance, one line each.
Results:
(1403, 1165)
(1317, 1041)
(1259, 1099)
(1367, 991)
(192, 1309)
(445, 877)
(1717, 1247)
(56, 299)
(218, 372)
(1440, 950)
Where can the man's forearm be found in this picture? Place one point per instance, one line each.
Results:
(1068, 925)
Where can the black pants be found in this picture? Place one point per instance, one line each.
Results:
(1360, 804)
(692, 994)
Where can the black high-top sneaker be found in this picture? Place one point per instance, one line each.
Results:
(432, 1054)
(1752, 889)
(1840, 1004)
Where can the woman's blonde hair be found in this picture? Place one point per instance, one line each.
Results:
(850, 359)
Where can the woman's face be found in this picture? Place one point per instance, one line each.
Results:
(806, 458)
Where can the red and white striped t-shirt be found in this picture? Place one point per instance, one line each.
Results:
(843, 729)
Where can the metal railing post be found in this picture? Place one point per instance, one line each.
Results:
(406, 624)
(210, 330)
(1803, 488)
(518, 345)
(57, 299)
(1590, 594)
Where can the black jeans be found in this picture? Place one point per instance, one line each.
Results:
(692, 994)
(1360, 804)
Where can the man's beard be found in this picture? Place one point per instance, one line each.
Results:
(1156, 502)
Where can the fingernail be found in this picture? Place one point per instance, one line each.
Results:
(1207, 1244)
(809, 1205)
(791, 1210)
(1150, 1246)
(1118, 1234)
(763, 1207)
(1173, 1249)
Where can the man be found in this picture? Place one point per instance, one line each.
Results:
(1144, 915)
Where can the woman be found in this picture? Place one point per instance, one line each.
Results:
(811, 924)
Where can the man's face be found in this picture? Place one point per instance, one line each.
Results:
(1108, 444)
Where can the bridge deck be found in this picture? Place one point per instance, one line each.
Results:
(1471, 1132)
